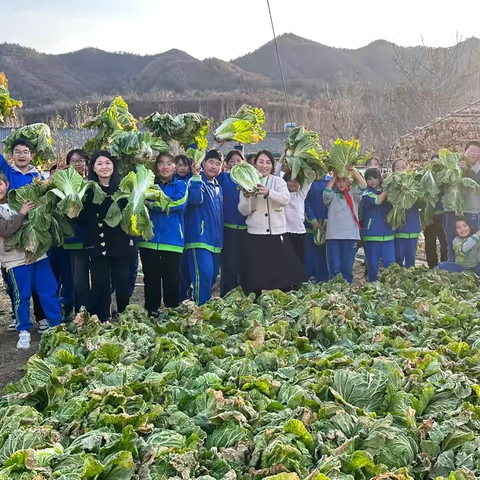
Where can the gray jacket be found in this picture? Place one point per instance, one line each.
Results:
(341, 224)
(467, 251)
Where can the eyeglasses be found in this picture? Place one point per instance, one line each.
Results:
(21, 153)
(77, 160)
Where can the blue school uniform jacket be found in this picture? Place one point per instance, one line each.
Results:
(375, 225)
(204, 215)
(412, 227)
(168, 225)
(15, 177)
(315, 208)
(232, 218)
(185, 178)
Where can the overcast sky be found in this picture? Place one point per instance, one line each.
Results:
(227, 29)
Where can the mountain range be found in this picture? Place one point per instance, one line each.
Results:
(40, 79)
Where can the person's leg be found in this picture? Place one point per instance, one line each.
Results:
(216, 261)
(400, 251)
(430, 234)
(410, 252)
(334, 257)
(170, 272)
(185, 278)
(101, 287)
(132, 274)
(230, 260)
(45, 286)
(373, 251)
(451, 267)
(442, 238)
(68, 290)
(81, 279)
(21, 280)
(321, 267)
(388, 253)
(38, 312)
(200, 262)
(449, 228)
(348, 251)
(121, 277)
(152, 278)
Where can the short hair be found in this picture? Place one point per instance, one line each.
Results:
(182, 159)
(4, 179)
(214, 154)
(24, 143)
(53, 168)
(92, 175)
(79, 152)
(232, 153)
(372, 173)
(473, 143)
(269, 154)
(369, 161)
(398, 160)
(464, 219)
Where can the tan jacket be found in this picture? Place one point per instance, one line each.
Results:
(266, 215)
(10, 222)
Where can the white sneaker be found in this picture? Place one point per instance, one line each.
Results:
(42, 326)
(23, 340)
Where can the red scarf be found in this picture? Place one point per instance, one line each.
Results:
(348, 198)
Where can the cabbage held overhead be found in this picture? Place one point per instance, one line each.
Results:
(245, 126)
(343, 153)
(128, 208)
(40, 137)
(304, 155)
(135, 148)
(246, 176)
(7, 104)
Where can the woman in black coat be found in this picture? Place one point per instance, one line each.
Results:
(111, 250)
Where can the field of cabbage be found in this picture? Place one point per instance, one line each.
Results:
(376, 382)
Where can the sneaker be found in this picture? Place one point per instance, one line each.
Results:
(23, 340)
(69, 317)
(154, 315)
(42, 326)
(12, 326)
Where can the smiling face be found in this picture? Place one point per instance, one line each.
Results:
(400, 166)
(79, 164)
(165, 168)
(212, 168)
(264, 165)
(3, 191)
(22, 156)
(374, 163)
(293, 185)
(104, 169)
(234, 160)
(473, 154)
(342, 183)
(462, 229)
(373, 182)
(183, 169)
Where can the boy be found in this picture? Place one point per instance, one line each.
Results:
(203, 230)
(378, 234)
(25, 278)
(19, 174)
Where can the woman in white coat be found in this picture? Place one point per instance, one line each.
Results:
(268, 256)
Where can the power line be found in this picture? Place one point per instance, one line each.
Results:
(279, 63)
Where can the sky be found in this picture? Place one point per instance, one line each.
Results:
(227, 29)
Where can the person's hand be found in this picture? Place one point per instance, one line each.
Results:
(261, 190)
(196, 169)
(315, 226)
(462, 164)
(477, 234)
(26, 207)
(349, 168)
(246, 193)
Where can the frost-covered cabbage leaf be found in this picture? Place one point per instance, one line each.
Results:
(245, 126)
(41, 138)
(136, 188)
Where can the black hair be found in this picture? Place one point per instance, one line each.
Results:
(215, 154)
(80, 153)
(164, 154)
(183, 159)
(251, 157)
(114, 179)
(269, 154)
(369, 161)
(398, 160)
(464, 219)
(3, 178)
(24, 143)
(232, 153)
(53, 168)
(373, 173)
(473, 143)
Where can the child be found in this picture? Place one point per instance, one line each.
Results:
(234, 157)
(343, 227)
(316, 217)
(466, 247)
(374, 162)
(161, 254)
(377, 233)
(203, 230)
(406, 237)
(25, 278)
(183, 167)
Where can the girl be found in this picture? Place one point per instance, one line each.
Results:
(111, 250)
(161, 254)
(79, 261)
(269, 255)
(406, 237)
(183, 167)
(234, 228)
(377, 233)
(374, 162)
(467, 249)
(251, 158)
(343, 227)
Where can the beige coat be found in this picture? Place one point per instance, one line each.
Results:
(266, 215)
